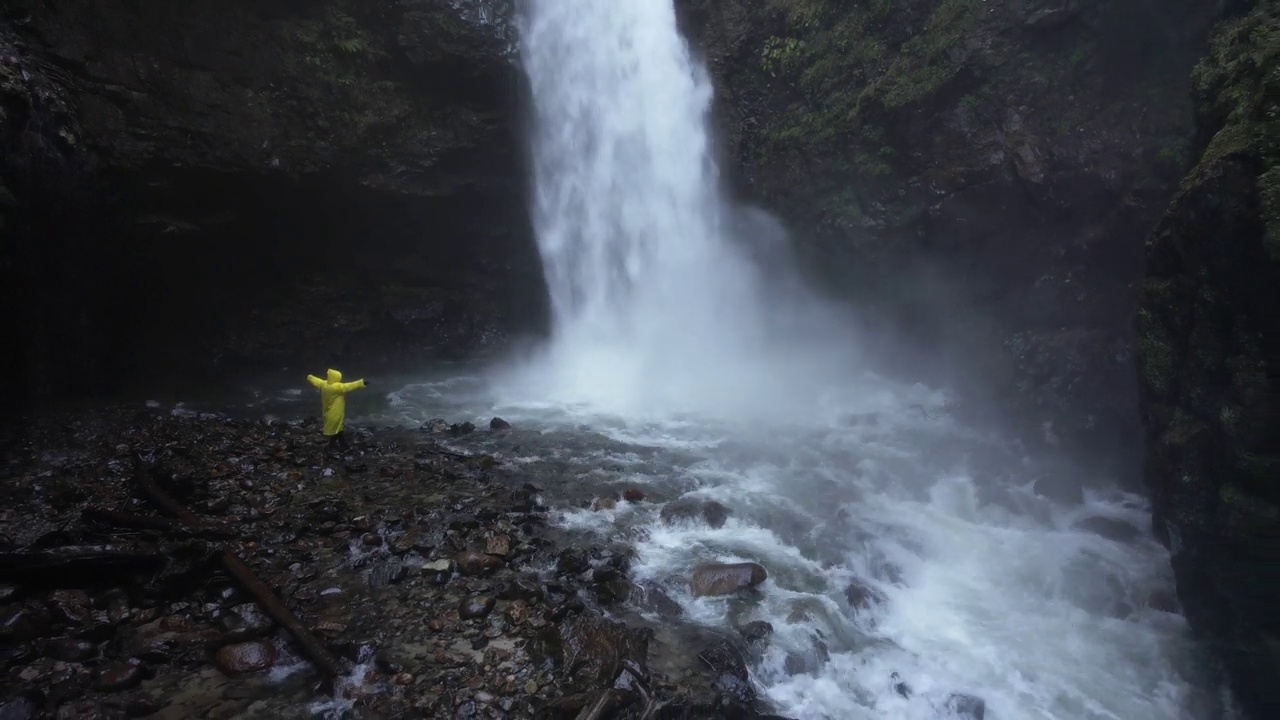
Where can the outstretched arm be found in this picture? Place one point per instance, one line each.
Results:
(315, 381)
(348, 387)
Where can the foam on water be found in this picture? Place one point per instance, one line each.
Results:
(980, 595)
(676, 363)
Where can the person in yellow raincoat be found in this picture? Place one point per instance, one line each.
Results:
(333, 403)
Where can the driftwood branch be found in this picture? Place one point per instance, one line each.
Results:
(319, 655)
(148, 522)
(79, 558)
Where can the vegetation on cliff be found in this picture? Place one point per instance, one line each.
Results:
(977, 173)
(1209, 353)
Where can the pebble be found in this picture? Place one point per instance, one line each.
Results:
(71, 649)
(475, 607)
(119, 675)
(245, 657)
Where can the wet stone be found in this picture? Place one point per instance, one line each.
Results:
(862, 596)
(371, 540)
(477, 563)
(120, 675)
(633, 495)
(726, 579)
(967, 707)
(71, 649)
(499, 424)
(651, 598)
(756, 631)
(475, 607)
(522, 588)
(691, 509)
(23, 622)
(410, 540)
(18, 709)
(245, 657)
(572, 561)
(69, 606)
(387, 573)
(245, 622)
(497, 545)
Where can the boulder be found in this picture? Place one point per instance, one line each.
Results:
(472, 562)
(691, 509)
(726, 579)
(246, 657)
(594, 649)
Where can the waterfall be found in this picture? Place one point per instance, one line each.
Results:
(656, 304)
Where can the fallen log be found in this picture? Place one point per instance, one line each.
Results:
(77, 559)
(148, 522)
(311, 647)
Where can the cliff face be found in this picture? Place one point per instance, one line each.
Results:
(978, 172)
(205, 186)
(1209, 349)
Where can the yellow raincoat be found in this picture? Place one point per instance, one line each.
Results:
(333, 399)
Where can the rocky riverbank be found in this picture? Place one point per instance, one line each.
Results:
(431, 580)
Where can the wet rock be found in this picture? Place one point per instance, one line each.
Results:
(117, 606)
(69, 606)
(651, 598)
(899, 685)
(245, 657)
(594, 649)
(966, 707)
(458, 429)
(730, 673)
(497, 545)
(410, 540)
(371, 540)
(437, 569)
(387, 573)
(23, 622)
(120, 675)
(726, 579)
(604, 503)
(862, 596)
(1109, 528)
(499, 424)
(475, 607)
(688, 509)
(572, 561)
(475, 563)
(522, 588)
(244, 622)
(70, 649)
(435, 425)
(145, 705)
(633, 495)
(18, 709)
(756, 631)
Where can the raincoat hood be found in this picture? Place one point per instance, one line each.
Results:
(334, 376)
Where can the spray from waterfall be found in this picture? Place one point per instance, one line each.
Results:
(657, 306)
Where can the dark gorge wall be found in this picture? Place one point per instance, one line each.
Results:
(197, 188)
(981, 176)
(976, 175)
(1209, 350)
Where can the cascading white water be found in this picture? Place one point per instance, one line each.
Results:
(674, 365)
(654, 306)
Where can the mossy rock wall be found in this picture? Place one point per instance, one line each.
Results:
(1209, 355)
(980, 174)
(203, 187)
